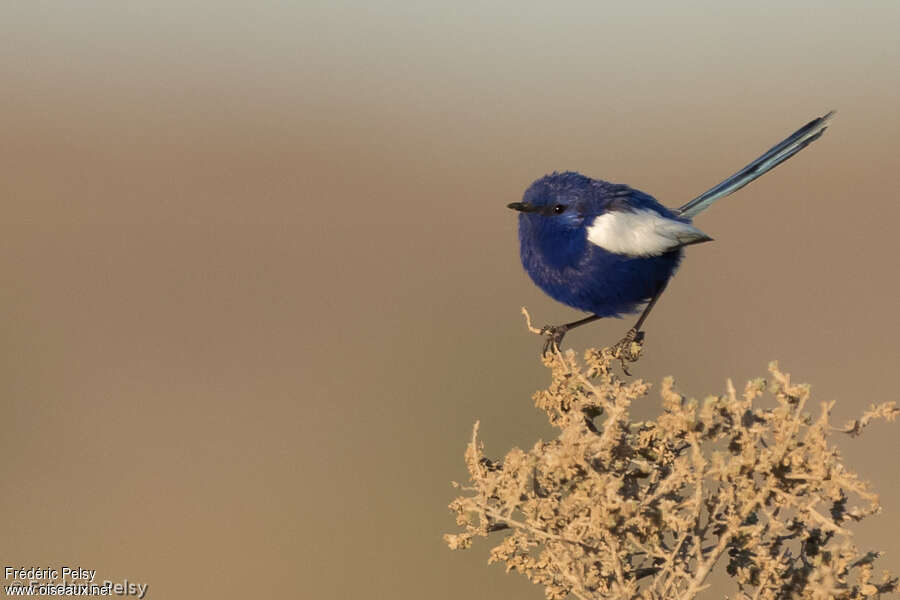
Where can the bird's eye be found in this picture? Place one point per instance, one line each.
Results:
(559, 209)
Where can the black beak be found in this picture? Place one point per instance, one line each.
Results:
(522, 207)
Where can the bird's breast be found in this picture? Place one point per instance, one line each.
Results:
(594, 280)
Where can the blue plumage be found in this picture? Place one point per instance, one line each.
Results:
(559, 258)
(606, 248)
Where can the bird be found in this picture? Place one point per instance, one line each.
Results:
(608, 249)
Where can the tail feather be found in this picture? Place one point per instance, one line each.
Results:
(779, 153)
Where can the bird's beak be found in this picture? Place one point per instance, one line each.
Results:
(522, 206)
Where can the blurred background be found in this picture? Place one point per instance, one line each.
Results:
(258, 280)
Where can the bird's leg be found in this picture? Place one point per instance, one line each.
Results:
(555, 333)
(623, 347)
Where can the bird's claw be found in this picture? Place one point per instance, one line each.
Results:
(554, 335)
(628, 349)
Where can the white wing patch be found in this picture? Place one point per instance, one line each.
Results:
(641, 233)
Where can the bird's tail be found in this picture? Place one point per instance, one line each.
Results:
(779, 153)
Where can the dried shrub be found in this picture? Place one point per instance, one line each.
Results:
(614, 508)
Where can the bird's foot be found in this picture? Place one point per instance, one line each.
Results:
(554, 335)
(628, 349)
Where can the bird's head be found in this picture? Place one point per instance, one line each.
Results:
(553, 214)
(555, 204)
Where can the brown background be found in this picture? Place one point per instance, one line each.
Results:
(258, 279)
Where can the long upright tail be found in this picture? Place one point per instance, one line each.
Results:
(779, 153)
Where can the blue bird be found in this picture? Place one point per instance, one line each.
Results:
(608, 249)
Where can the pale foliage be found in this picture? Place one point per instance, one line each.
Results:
(619, 509)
